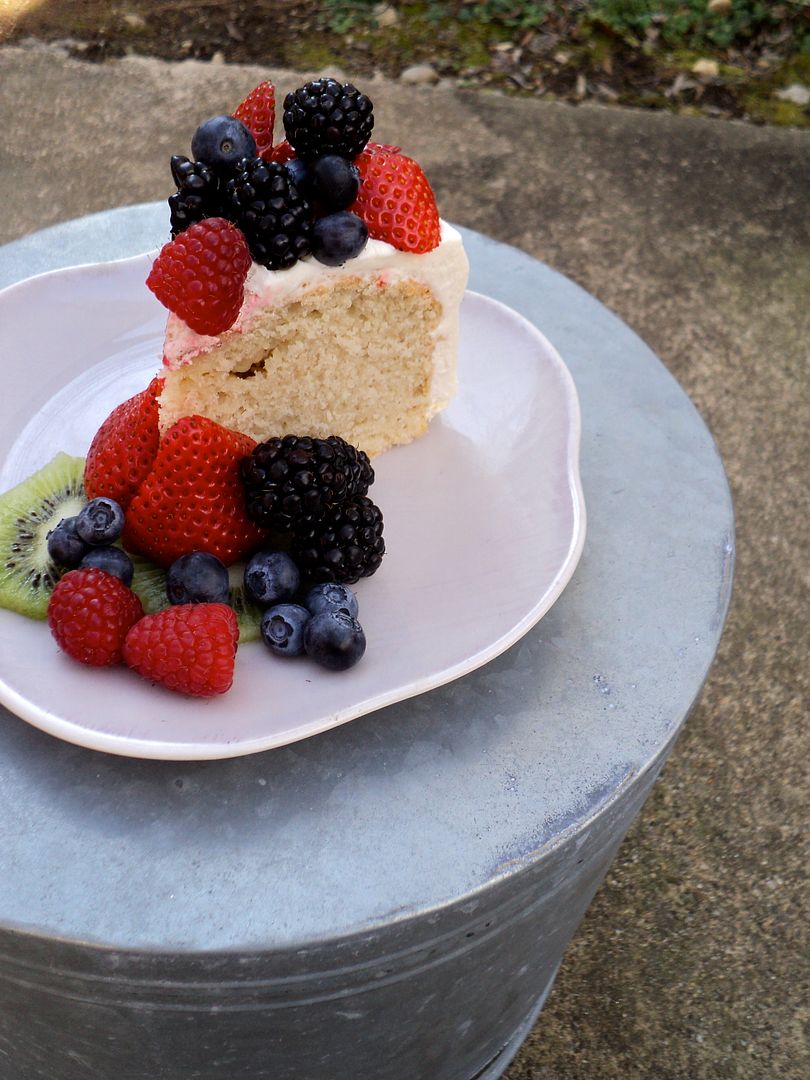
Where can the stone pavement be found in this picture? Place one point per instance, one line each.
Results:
(693, 959)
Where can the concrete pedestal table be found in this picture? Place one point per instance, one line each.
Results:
(390, 900)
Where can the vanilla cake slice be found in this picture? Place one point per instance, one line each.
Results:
(366, 350)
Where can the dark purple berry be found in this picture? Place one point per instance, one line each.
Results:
(65, 546)
(100, 522)
(271, 577)
(335, 182)
(282, 628)
(222, 142)
(334, 640)
(197, 578)
(338, 237)
(325, 117)
(113, 560)
(332, 596)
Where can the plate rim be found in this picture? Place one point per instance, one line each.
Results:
(151, 749)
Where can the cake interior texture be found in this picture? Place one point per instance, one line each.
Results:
(355, 358)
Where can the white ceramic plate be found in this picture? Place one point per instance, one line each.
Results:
(484, 524)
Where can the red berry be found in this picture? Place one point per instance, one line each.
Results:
(396, 201)
(200, 275)
(281, 154)
(124, 447)
(90, 613)
(189, 648)
(258, 113)
(193, 499)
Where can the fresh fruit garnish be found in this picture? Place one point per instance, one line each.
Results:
(338, 237)
(28, 513)
(325, 117)
(221, 143)
(334, 639)
(197, 578)
(281, 153)
(189, 648)
(283, 629)
(331, 596)
(100, 522)
(65, 546)
(124, 447)
(397, 202)
(271, 577)
(258, 113)
(271, 212)
(291, 481)
(344, 544)
(90, 613)
(112, 559)
(198, 195)
(335, 182)
(200, 275)
(193, 500)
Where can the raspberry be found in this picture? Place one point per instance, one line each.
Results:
(189, 648)
(258, 113)
(324, 117)
(90, 613)
(192, 499)
(396, 201)
(200, 275)
(124, 447)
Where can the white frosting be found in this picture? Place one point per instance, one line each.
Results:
(444, 270)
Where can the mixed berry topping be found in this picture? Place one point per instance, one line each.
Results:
(336, 189)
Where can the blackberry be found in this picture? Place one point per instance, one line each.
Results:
(265, 204)
(345, 544)
(292, 481)
(198, 194)
(324, 117)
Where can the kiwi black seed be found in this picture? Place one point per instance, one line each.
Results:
(149, 583)
(28, 512)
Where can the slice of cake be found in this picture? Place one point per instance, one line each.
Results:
(347, 323)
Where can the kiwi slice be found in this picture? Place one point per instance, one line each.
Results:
(149, 582)
(28, 512)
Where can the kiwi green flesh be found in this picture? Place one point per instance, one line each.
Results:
(28, 512)
(149, 582)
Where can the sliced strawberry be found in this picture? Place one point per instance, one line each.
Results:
(396, 201)
(193, 499)
(200, 275)
(189, 648)
(124, 447)
(258, 113)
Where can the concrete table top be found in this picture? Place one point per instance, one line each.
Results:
(424, 803)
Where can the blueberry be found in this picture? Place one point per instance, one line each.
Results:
(282, 629)
(197, 578)
(100, 522)
(338, 237)
(65, 546)
(113, 560)
(332, 596)
(300, 175)
(334, 640)
(271, 577)
(222, 142)
(335, 182)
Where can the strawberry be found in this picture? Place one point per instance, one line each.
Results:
(200, 275)
(258, 113)
(396, 201)
(90, 613)
(189, 648)
(282, 153)
(124, 447)
(193, 500)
